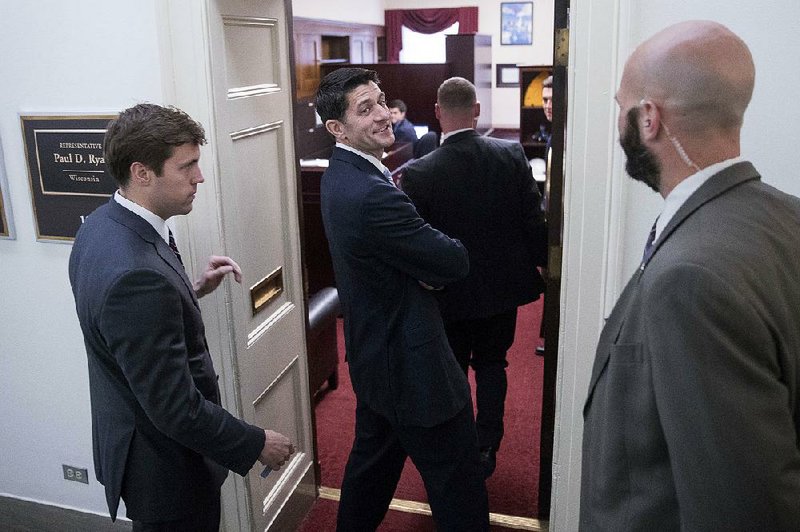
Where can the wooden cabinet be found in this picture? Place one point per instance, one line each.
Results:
(532, 123)
(363, 49)
(307, 51)
(320, 45)
(321, 42)
(470, 57)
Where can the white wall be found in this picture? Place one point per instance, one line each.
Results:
(77, 57)
(369, 12)
(607, 216)
(505, 101)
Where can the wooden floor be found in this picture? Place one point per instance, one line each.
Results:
(25, 516)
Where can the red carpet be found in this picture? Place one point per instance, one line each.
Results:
(513, 486)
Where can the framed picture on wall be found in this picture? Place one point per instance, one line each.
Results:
(516, 23)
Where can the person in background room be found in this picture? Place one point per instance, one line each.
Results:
(480, 190)
(402, 128)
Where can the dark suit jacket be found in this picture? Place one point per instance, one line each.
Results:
(161, 438)
(693, 414)
(480, 190)
(404, 132)
(400, 361)
(426, 144)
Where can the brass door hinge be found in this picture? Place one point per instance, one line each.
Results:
(561, 54)
(554, 262)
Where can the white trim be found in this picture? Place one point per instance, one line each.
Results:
(594, 201)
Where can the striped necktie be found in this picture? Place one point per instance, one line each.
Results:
(174, 247)
(388, 175)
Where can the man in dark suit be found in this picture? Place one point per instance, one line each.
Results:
(693, 413)
(412, 398)
(547, 106)
(402, 127)
(162, 441)
(481, 190)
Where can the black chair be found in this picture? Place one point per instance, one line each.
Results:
(323, 357)
(426, 144)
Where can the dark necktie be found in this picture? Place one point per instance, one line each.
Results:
(648, 247)
(174, 247)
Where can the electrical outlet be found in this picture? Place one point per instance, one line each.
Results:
(75, 473)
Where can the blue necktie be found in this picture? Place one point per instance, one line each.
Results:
(648, 247)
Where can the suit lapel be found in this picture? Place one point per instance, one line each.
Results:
(610, 334)
(715, 186)
(139, 225)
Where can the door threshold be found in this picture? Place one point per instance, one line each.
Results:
(421, 508)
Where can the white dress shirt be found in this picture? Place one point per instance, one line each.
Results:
(686, 188)
(371, 158)
(159, 224)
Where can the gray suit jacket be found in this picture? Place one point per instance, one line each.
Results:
(161, 439)
(692, 419)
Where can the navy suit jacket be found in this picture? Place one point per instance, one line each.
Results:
(692, 420)
(480, 190)
(161, 438)
(400, 361)
(404, 132)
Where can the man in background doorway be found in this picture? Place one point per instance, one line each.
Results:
(481, 190)
(547, 106)
(402, 127)
(693, 412)
(412, 399)
(162, 442)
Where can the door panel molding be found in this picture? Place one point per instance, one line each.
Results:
(262, 329)
(227, 64)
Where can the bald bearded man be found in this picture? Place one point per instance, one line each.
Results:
(693, 415)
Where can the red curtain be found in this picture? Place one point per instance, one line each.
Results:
(425, 21)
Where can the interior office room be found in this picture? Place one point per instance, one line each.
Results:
(231, 64)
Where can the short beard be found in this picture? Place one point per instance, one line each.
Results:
(642, 164)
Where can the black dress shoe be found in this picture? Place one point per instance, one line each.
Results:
(488, 461)
(540, 350)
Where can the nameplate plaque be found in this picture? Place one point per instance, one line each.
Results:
(66, 170)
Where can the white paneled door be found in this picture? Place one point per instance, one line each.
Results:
(232, 67)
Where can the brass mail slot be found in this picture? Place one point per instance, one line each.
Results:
(266, 290)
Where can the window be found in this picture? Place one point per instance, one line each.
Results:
(424, 48)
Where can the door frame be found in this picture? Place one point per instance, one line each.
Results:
(555, 216)
(594, 202)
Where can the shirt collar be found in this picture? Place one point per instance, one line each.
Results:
(371, 158)
(684, 190)
(451, 133)
(155, 220)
